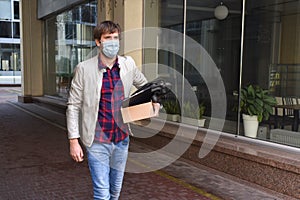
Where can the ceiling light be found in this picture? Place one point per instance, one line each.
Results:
(221, 11)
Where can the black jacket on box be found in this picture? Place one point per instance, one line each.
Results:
(150, 92)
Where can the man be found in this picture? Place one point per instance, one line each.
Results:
(98, 87)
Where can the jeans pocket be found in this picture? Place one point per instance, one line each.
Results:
(125, 142)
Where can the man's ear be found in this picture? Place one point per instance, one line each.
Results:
(98, 42)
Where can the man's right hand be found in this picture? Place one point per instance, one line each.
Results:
(76, 150)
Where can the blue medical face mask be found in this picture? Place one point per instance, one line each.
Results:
(110, 48)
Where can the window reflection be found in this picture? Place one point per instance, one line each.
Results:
(5, 30)
(270, 52)
(16, 30)
(16, 10)
(5, 13)
(169, 63)
(221, 40)
(69, 41)
(10, 65)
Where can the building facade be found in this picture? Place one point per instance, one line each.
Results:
(10, 65)
(254, 43)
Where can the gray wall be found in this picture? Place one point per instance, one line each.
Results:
(47, 7)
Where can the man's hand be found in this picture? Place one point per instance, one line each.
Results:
(76, 150)
(156, 107)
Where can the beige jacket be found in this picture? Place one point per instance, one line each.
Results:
(83, 102)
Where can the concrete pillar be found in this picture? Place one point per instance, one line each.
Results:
(129, 14)
(151, 10)
(31, 50)
(105, 10)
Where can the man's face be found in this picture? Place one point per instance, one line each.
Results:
(107, 36)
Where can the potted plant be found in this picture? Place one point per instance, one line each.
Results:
(172, 110)
(255, 105)
(193, 114)
(201, 120)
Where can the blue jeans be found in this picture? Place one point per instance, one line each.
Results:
(107, 165)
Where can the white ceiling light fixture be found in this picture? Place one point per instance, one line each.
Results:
(221, 11)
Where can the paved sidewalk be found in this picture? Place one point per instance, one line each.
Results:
(9, 94)
(35, 164)
(34, 160)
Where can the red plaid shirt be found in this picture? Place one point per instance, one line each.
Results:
(111, 127)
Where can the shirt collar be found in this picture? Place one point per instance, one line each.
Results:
(101, 65)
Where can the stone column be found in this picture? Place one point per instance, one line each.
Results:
(150, 58)
(130, 15)
(105, 10)
(31, 51)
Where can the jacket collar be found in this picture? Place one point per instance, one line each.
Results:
(102, 66)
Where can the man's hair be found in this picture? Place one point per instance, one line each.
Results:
(106, 27)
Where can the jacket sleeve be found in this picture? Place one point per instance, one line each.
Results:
(139, 79)
(74, 103)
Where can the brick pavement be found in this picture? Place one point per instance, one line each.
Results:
(34, 160)
(35, 164)
(9, 94)
(38, 166)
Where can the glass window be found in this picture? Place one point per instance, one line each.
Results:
(271, 57)
(220, 42)
(272, 50)
(10, 65)
(164, 56)
(88, 13)
(70, 31)
(16, 30)
(76, 14)
(16, 10)
(5, 13)
(271, 60)
(69, 40)
(5, 30)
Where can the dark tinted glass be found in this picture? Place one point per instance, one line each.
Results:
(88, 13)
(16, 10)
(5, 30)
(16, 32)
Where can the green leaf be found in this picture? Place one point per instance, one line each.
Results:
(259, 117)
(268, 108)
(266, 116)
(259, 95)
(252, 110)
(259, 102)
(251, 91)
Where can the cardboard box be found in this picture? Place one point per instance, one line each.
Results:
(138, 112)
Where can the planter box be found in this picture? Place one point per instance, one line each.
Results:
(173, 117)
(192, 121)
(170, 117)
(201, 122)
(250, 125)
